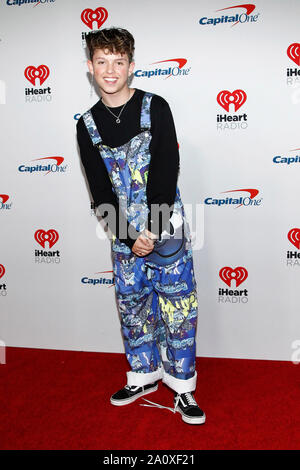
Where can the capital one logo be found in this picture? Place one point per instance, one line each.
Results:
(181, 63)
(2, 270)
(166, 70)
(3, 202)
(4, 198)
(56, 167)
(51, 236)
(58, 160)
(237, 98)
(108, 281)
(32, 73)
(294, 237)
(287, 160)
(89, 16)
(238, 274)
(244, 17)
(293, 52)
(237, 202)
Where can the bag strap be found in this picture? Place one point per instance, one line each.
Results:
(91, 127)
(145, 122)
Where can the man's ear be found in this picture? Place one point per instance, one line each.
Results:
(131, 67)
(90, 66)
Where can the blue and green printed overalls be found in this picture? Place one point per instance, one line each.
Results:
(158, 305)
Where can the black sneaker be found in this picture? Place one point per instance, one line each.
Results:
(190, 411)
(129, 394)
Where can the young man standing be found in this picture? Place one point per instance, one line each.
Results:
(129, 150)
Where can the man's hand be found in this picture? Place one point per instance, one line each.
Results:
(144, 244)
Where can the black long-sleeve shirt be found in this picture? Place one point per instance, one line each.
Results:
(164, 163)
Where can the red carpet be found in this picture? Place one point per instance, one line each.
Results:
(60, 400)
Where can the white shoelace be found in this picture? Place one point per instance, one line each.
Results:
(157, 405)
(189, 397)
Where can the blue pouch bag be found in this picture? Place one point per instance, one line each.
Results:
(171, 245)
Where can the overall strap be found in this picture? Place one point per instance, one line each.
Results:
(91, 127)
(145, 112)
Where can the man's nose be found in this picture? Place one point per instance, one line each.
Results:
(110, 68)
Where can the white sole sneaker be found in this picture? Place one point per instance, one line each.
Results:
(129, 400)
(192, 420)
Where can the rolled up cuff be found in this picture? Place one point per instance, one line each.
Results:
(180, 385)
(140, 378)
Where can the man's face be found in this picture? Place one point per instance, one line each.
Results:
(111, 71)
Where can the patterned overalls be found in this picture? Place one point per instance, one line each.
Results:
(158, 305)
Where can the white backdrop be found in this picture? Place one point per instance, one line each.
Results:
(66, 301)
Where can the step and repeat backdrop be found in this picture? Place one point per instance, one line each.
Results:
(231, 74)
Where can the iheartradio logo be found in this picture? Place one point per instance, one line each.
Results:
(41, 72)
(293, 52)
(3, 288)
(2, 270)
(89, 16)
(231, 121)
(294, 237)
(293, 73)
(238, 274)
(51, 236)
(237, 98)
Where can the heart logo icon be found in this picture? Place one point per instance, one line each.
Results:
(88, 16)
(32, 73)
(237, 97)
(293, 51)
(239, 274)
(294, 237)
(41, 236)
(2, 270)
